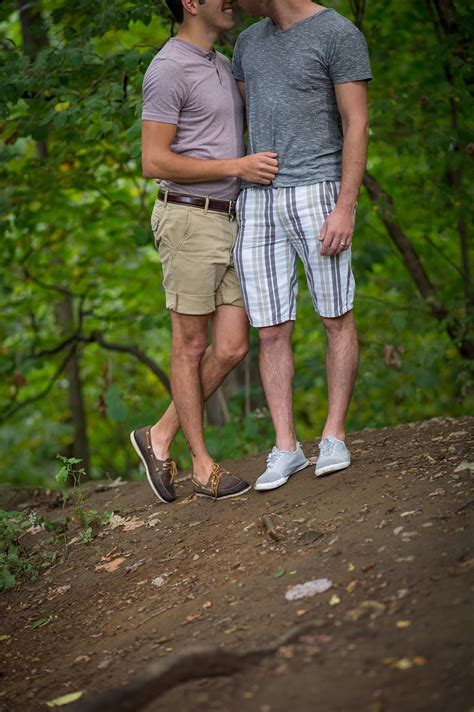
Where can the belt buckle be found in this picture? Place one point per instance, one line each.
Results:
(231, 209)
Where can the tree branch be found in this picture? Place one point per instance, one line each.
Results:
(28, 401)
(98, 338)
(193, 664)
(413, 264)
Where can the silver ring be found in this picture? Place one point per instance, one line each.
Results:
(343, 243)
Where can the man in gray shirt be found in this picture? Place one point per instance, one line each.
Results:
(192, 140)
(304, 72)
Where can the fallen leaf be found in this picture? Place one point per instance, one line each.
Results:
(59, 591)
(405, 663)
(440, 492)
(465, 465)
(116, 521)
(374, 608)
(187, 500)
(82, 659)
(194, 616)
(280, 572)
(133, 523)
(351, 567)
(159, 580)
(41, 622)
(308, 589)
(403, 624)
(208, 604)
(65, 699)
(133, 567)
(4, 637)
(352, 586)
(335, 600)
(111, 566)
(409, 514)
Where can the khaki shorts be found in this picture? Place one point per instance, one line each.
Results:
(195, 248)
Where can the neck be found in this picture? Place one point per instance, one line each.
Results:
(286, 13)
(198, 35)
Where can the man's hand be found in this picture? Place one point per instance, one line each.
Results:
(337, 231)
(259, 168)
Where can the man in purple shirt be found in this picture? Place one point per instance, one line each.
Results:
(192, 141)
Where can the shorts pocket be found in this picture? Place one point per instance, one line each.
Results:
(155, 221)
(174, 228)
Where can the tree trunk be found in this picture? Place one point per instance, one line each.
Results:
(35, 38)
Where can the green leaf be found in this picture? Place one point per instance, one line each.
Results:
(65, 699)
(117, 409)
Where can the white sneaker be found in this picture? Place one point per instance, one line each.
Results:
(333, 456)
(280, 466)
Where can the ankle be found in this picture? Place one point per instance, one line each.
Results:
(202, 468)
(287, 444)
(161, 443)
(338, 433)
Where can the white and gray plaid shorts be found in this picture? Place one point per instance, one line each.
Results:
(276, 226)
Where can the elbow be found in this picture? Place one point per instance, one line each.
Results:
(149, 170)
(153, 166)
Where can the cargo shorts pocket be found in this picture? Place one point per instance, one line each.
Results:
(155, 221)
(174, 229)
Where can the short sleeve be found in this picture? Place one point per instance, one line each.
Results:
(348, 58)
(237, 70)
(164, 92)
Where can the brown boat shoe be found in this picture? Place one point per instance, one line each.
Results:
(221, 485)
(160, 473)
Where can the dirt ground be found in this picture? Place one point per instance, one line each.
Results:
(392, 633)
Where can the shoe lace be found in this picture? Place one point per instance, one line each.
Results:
(327, 447)
(173, 470)
(273, 457)
(215, 478)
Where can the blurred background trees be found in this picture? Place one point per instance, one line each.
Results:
(85, 336)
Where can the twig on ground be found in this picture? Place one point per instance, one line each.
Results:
(193, 664)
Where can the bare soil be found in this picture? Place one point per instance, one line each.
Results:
(393, 632)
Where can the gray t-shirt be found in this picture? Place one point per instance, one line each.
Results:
(289, 77)
(194, 89)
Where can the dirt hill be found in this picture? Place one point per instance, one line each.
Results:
(391, 633)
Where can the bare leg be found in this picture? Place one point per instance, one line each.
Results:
(342, 360)
(229, 346)
(277, 371)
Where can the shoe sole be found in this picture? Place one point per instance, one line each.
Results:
(138, 451)
(279, 483)
(331, 468)
(227, 496)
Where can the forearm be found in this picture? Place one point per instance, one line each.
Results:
(184, 169)
(354, 159)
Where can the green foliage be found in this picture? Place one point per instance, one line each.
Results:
(74, 220)
(13, 560)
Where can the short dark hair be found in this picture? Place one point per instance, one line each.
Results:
(176, 8)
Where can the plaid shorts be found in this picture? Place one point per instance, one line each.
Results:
(276, 226)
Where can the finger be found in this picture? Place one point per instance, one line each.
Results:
(328, 247)
(322, 234)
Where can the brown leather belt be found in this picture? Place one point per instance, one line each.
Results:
(220, 206)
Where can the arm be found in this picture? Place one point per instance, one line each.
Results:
(159, 161)
(339, 226)
(241, 86)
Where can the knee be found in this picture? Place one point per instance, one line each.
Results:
(272, 335)
(339, 324)
(191, 348)
(230, 354)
